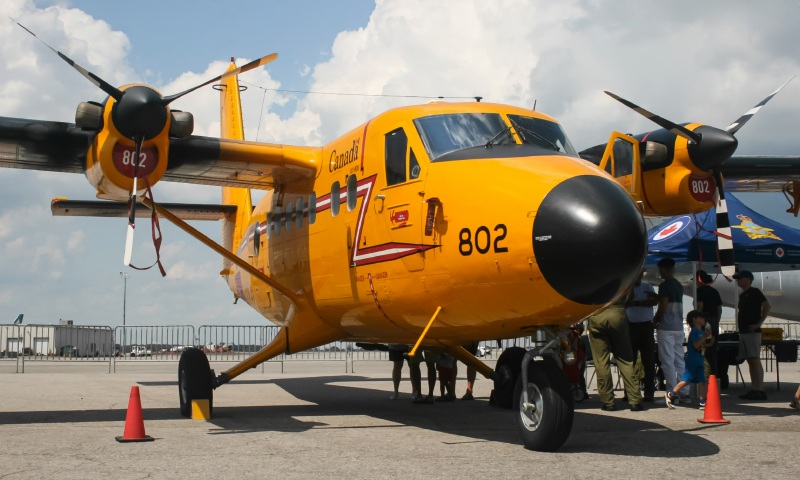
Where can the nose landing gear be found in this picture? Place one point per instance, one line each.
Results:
(533, 384)
(544, 421)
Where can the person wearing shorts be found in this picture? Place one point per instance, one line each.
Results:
(472, 348)
(694, 370)
(430, 357)
(753, 310)
(397, 355)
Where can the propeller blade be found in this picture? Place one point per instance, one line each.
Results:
(244, 68)
(132, 209)
(111, 90)
(727, 262)
(660, 121)
(739, 123)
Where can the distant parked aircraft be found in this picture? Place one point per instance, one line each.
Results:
(18, 321)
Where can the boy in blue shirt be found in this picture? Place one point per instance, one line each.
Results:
(695, 369)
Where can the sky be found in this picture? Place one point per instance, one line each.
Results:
(705, 61)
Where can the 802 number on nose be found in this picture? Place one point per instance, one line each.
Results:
(481, 241)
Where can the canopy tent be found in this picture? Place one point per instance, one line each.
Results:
(760, 244)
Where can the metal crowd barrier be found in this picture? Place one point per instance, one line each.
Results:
(222, 343)
(140, 343)
(56, 343)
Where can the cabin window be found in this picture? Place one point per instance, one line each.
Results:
(256, 238)
(352, 192)
(336, 196)
(277, 219)
(298, 211)
(289, 217)
(312, 208)
(396, 150)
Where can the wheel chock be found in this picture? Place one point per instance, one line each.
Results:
(201, 410)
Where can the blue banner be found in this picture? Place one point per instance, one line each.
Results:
(756, 238)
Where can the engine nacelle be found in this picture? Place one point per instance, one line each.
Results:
(110, 162)
(672, 183)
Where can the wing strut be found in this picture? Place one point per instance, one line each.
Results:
(298, 300)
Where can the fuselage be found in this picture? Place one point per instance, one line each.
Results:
(412, 211)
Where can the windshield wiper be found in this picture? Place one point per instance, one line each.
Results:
(505, 131)
(536, 135)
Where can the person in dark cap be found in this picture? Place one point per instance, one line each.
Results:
(710, 303)
(753, 310)
(669, 325)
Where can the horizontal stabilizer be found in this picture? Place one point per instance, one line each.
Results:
(62, 207)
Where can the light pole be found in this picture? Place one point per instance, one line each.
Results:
(124, 276)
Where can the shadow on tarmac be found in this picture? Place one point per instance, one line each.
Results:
(621, 433)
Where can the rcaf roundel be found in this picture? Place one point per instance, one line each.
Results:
(672, 228)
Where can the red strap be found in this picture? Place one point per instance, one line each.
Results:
(156, 232)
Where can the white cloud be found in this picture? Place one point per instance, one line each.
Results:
(76, 241)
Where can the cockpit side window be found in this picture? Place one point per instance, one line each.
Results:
(396, 148)
(413, 165)
(623, 158)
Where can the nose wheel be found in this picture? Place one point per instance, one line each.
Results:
(194, 380)
(545, 420)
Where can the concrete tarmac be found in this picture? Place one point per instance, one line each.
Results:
(59, 421)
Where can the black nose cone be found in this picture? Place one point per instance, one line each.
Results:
(589, 239)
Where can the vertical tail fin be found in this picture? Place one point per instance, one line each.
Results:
(231, 127)
(18, 321)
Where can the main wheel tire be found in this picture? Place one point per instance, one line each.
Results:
(194, 380)
(508, 367)
(547, 426)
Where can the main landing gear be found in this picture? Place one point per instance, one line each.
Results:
(534, 386)
(195, 380)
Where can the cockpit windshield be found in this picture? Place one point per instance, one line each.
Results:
(443, 134)
(544, 133)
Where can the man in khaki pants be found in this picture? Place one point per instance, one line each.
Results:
(608, 334)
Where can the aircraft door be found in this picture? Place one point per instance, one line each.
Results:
(399, 203)
(621, 160)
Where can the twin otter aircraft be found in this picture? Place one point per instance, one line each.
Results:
(435, 225)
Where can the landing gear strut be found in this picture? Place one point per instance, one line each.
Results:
(195, 380)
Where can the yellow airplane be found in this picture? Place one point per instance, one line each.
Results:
(433, 225)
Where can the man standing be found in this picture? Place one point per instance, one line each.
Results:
(608, 334)
(669, 324)
(753, 310)
(640, 322)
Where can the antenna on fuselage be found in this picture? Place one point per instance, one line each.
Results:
(534, 105)
(478, 99)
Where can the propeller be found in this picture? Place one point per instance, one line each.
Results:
(709, 148)
(140, 113)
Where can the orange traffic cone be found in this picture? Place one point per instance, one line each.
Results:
(713, 411)
(134, 423)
